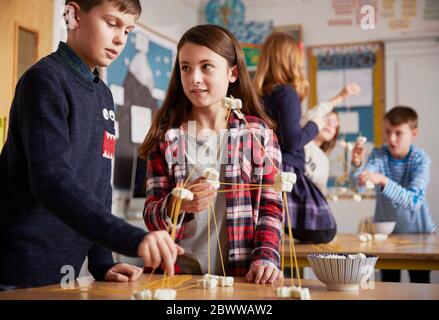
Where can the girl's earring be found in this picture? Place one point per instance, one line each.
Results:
(70, 17)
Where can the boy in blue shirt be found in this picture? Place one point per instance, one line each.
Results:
(55, 168)
(401, 172)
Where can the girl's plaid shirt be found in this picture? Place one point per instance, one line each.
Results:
(254, 217)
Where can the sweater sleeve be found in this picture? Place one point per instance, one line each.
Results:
(43, 113)
(100, 260)
(371, 165)
(158, 191)
(292, 135)
(269, 225)
(413, 196)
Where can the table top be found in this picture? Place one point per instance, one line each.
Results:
(397, 246)
(88, 289)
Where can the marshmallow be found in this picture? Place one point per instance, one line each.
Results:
(231, 103)
(209, 283)
(333, 256)
(361, 139)
(300, 293)
(212, 177)
(365, 237)
(214, 183)
(283, 292)
(357, 256)
(165, 294)
(293, 292)
(225, 281)
(370, 185)
(380, 237)
(183, 194)
(210, 174)
(142, 295)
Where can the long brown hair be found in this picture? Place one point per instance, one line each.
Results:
(327, 146)
(176, 105)
(281, 63)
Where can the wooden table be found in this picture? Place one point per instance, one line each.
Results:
(242, 290)
(402, 252)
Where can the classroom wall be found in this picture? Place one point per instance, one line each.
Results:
(314, 15)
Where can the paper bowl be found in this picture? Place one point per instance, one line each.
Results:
(341, 274)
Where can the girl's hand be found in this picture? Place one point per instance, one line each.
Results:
(260, 273)
(123, 272)
(358, 154)
(203, 192)
(351, 89)
(375, 178)
(320, 122)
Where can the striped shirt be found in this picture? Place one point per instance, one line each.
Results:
(403, 199)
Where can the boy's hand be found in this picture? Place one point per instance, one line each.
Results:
(157, 247)
(123, 272)
(358, 154)
(203, 192)
(375, 178)
(260, 273)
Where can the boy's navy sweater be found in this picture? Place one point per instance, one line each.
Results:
(283, 105)
(55, 196)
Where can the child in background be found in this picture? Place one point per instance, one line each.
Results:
(400, 172)
(317, 151)
(209, 66)
(55, 167)
(280, 81)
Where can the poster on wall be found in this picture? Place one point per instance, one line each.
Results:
(138, 80)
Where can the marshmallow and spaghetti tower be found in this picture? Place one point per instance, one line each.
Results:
(283, 183)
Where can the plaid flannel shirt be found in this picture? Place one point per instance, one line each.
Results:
(254, 217)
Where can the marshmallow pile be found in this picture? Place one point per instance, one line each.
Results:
(212, 177)
(284, 181)
(159, 294)
(210, 281)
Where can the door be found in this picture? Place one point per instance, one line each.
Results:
(26, 37)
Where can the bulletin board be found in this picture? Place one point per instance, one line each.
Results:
(138, 80)
(330, 68)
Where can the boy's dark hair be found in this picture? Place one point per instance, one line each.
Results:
(126, 6)
(402, 114)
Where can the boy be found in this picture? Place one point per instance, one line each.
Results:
(401, 172)
(56, 164)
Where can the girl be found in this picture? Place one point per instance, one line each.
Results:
(317, 151)
(209, 66)
(280, 81)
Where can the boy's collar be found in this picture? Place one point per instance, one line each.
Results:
(77, 63)
(399, 160)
